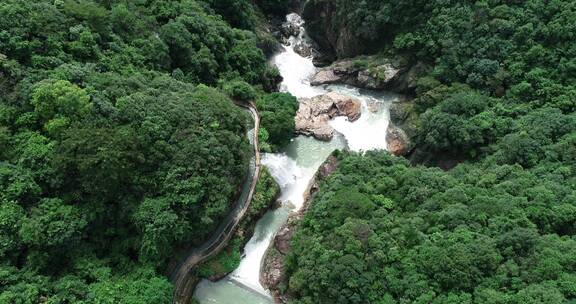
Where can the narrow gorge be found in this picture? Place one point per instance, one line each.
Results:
(341, 117)
(394, 152)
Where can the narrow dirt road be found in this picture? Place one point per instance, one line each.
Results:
(183, 282)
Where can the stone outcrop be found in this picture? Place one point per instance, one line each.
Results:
(303, 49)
(402, 127)
(334, 37)
(314, 114)
(290, 28)
(272, 271)
(374, 105)
(322, 59)
(398, 142)
(325, 76)
(379, 77)
(292, 33)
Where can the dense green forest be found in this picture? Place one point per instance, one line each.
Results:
(498, 228)
(119, 143)
(383, 231)
(120, 146)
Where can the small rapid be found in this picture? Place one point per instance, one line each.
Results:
(294, 167)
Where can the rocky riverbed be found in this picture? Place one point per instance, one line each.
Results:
(272, 270)
(314, 114)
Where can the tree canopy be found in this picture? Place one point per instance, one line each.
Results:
(499, 100)
(383, 231)
(119, 147)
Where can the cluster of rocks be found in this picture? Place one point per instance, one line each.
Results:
(392, 75)
(314, 114)
(380, 77)
(389, 76)
(292, 26)
(292, 32)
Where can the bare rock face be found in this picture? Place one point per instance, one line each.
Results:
(303, 49)
(272, 272)
(324, 27)
(398, 142)
(282, 240)
(346, 105)
(290, 29)
(378, 78)
(325, 77)
(346, 72)
(314, 114)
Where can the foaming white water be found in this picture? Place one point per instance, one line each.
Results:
(369, 131)
(294, 169)
(293, 179)
(289, 177)
(248, 272)
(296, 71)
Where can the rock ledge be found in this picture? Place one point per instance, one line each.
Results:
(314, 114)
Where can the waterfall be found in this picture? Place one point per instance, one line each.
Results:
(295, 166)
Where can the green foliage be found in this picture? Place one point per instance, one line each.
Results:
(265, 195)
(263, 138)
(239, 90)
(142, 286)
(383, 231)
(462, 123)
(274, 7)
(239, 13)
(114, 152)
(53, 224)
(361, 64)
(223, 263)
(277, 111)
(59, 103)
(204, 48)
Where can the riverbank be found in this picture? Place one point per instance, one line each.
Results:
(184, 281)
(264, 199)
(272, 270)
(297, 164)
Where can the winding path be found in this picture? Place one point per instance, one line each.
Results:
(183, 281)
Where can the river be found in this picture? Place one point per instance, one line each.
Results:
(293, 169)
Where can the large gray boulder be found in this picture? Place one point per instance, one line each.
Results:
(314, 114)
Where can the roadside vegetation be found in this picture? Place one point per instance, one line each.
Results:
(265, 195)
(119, 144)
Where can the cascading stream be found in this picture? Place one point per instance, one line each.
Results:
(294, 168)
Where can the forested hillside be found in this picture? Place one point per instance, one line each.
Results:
(120, 146)
(501, 98)
(117, 145)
